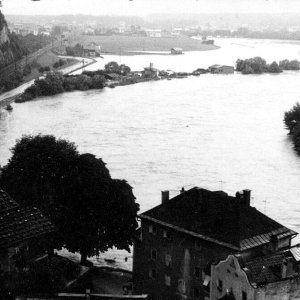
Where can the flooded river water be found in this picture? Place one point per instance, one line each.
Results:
(213, 131)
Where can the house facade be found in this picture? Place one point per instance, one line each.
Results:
(176, 51)
(270, 277)
(180, 239)
(221, 69)
(150, 72)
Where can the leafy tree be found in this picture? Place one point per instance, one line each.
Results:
(247, 70)
(274, 67)
(112, 67)
(292, 118)
(296, 137)
(289, 65)
(91, 211)
(124, 70)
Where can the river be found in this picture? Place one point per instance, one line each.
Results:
(213, 131)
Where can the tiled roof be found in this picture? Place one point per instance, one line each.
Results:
(217, 217)
(18, 224)
(265, 269)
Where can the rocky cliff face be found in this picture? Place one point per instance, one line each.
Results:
(7, 49)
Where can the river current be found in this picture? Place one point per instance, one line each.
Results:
(213, 131)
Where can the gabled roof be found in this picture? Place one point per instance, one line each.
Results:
(217, 217)
(18, 224)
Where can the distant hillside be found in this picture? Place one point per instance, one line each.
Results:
(10, 49)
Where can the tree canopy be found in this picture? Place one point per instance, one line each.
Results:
(114, 67)
(257, 65)
(92, 211)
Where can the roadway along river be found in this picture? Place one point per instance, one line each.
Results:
(213, 131)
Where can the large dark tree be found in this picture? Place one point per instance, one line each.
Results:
(91, 211)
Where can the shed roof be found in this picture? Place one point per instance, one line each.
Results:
(218, 218)
(18, 224)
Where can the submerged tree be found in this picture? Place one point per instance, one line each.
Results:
(292, 118)
(92, 211)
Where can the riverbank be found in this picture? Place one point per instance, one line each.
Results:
(10, 96)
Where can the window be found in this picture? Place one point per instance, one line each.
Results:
(220, 285)
(197, 272)
(244, 295)
(165, 234)
(168, 280)
(181, 286)
(150, 229)
(196, 293)
(153, 273)
(153, 254)
(168, 260)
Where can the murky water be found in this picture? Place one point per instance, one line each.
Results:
(213, 131)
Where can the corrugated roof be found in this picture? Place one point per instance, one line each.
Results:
(18, 224)
(217, 217)
(296, 252)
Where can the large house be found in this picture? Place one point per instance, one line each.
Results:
(18, 226)
(180, 239)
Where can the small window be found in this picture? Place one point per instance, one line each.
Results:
(166, 234)
(168, 280)
(197, 272)
(196, 293)
(153, 254)
(244, 295)
(198, 245)
(220, 285)
(181, 286)
(150, 229)
(168, 260)
(153, 273)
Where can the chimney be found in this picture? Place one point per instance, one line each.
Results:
(244, 196)
(182, 190)
(164, 197)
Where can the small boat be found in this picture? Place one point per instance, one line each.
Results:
(110, 260)
(9, 107)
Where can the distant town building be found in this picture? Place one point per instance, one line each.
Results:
(269, 277)
(176, 51)
(221, 69)
(89, 31)
(18, 226)
(153, 33)
(150, 72)
(91, 49)
(180, 239)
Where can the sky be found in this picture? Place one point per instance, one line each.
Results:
(144, 7)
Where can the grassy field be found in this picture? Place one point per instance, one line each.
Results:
(123, 44)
